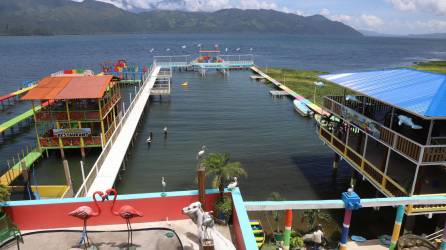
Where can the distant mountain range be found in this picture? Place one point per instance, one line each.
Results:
(427, 36)
(57, 17)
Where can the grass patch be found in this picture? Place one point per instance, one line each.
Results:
(302, 82)
(432, 66)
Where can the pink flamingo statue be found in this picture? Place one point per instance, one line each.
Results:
(126, 212)
(84, 213)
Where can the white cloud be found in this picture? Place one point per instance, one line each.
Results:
(364, 21)
(372, 21)
(436, 6)
(196, 5)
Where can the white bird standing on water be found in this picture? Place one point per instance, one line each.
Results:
(201, 152)
(250, 49)
(199, 45)
(151, 50)
(233, 184)
(237, 49)
(226, 50)
(165, 130)
(167, 49)
(149, 139)
(183, 46)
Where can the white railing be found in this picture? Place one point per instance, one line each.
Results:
(172, 61)
(83, 189)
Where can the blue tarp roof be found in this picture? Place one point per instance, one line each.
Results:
(416, 91)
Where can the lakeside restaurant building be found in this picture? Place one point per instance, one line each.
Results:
(82, 111)
(392, 130)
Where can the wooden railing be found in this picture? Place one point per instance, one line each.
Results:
(53, 142)
(414, 209)
(62, 116)
(110, 104)
(373, 173)
(412, 150)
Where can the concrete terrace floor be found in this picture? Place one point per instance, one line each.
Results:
(146, 239)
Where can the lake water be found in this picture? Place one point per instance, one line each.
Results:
(279, 149)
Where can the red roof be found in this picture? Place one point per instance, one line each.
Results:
(69, 87)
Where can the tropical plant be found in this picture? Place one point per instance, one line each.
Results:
(5, 195)
(219, 166)
(297, 242)
(224, 206)
(275, 196)
(313, 216)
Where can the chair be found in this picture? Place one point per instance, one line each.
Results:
(8, 229)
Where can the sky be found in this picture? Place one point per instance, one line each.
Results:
(384, 16)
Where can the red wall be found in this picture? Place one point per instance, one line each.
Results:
(238, 231)
(55, 215)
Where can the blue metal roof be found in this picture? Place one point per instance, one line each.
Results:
(416, 91)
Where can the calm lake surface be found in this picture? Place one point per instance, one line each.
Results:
(279, 149)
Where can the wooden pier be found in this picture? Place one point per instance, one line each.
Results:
(22, 117)
(106, 168)
(15, 94)
(17, 169)
(279, 85)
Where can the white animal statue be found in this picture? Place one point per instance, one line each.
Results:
(402, 119)
(205, 227)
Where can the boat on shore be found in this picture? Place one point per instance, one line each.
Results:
(302, 108)
(258, 231)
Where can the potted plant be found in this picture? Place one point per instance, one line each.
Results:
(5, 194)
(278, 234)
(223, 210)
(222, 170)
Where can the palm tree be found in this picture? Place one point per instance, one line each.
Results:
(218, 165)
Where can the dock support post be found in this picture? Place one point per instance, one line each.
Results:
(288, 225)
(83, 178)
(336, 161)
(201, 186)
(397, 226)
(66, 169)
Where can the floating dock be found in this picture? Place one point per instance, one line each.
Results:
(10, 123)
(310, 105)
(278, 93)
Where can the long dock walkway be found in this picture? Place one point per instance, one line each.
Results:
(10, 123)
(24, 164)
(16, 93)
(104, 172)
(309, 104)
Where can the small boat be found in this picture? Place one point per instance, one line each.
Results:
(185, 84)
(302, 108)
(259, 234)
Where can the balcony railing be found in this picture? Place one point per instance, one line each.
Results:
(53, 142)
(374, 174)
(410, 149)
(110, 104)
(92, 115)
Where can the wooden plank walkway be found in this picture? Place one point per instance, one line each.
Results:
(107, 168)
(310, 105)
(16, 93)
(8, 124)
(16, 170)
